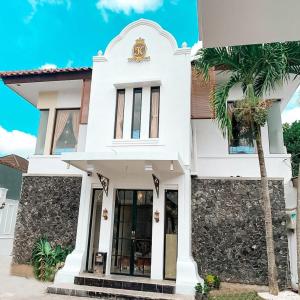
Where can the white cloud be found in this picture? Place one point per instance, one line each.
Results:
(48, 66)
(291, 115)
(128, 6)
(16, 142)
(196, 47)
(35, 4)
(69, 63)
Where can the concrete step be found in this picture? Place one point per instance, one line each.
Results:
(127, 283)
(110, 293)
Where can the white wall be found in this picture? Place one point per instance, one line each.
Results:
(211, 157)
(168, 67)
(50, 165)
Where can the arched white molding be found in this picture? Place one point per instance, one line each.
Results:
(137, 23)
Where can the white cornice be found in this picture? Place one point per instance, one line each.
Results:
(99, 58)
(145, 22)
(180, 51)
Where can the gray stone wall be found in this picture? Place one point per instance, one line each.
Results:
(48, 207)
(228, 230)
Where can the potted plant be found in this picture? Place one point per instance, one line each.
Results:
(201, 291)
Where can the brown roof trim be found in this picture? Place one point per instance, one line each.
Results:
(15, 161)
(27, 76)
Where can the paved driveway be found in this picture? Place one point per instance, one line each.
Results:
(20, 288)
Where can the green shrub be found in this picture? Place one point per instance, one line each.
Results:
(46, 260)
(212, 281)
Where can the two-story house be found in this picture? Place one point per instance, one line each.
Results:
(130, 163)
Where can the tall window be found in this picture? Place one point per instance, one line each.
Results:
(154, 112)
(136, 114)
(40, 143)
(65, 136)
(242, 141)
(119, 121)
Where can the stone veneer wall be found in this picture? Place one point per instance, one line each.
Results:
(48, 207)
(228, 230)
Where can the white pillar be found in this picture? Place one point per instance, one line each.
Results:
(187, 272)
(157, 252)
(106, 228)
(75, 262)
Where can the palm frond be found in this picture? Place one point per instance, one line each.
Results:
(219, 104)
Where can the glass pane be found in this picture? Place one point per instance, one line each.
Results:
(66, 131)
(154, 114)
(275, 130)
(121, 252)
(40, 143)
(136, 114)
(119, 114)
(242, 141)
(171, 230)
(132, 236)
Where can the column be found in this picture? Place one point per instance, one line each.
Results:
(75, 262)
(187, 272)
(158, 228)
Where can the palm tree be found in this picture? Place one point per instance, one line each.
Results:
(258, 70)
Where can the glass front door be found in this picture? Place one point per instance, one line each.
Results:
(132, 237)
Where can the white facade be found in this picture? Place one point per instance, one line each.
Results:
(184, 147)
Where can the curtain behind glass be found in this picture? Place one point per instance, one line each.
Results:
(66, 131)
(120, 114)
(154, 117)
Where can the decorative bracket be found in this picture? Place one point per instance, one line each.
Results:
(104, 182)
(156, 184)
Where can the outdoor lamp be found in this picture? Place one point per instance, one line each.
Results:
(105, 214)
(156, 216)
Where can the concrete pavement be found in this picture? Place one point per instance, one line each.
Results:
(20, 288)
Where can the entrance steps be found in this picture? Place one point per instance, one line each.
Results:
(118, 287)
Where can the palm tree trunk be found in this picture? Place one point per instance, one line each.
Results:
(272, 269)
(298, 229)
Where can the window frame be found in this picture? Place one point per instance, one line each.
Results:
(48, 110)
(116, 112)
(229, 140)
(132, 114)
(150, 113)
(54, 125)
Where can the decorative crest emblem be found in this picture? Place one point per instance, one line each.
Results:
(139, 51)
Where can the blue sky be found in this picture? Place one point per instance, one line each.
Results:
(68, 33)
(63, 33)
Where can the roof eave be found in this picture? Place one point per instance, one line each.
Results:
(13, 79)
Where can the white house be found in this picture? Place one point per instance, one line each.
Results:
(135, 127)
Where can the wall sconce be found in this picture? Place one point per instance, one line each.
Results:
(105, 214)
(156, 216)
(172, 165)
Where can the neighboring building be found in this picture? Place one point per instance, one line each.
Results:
(229, 23)
(105, 131)
(11, 169)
